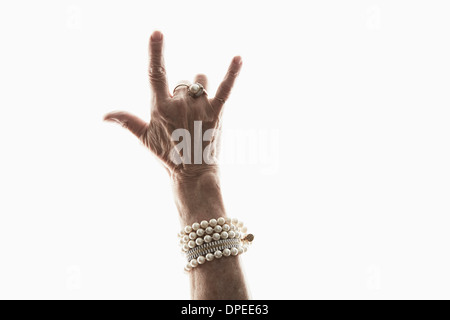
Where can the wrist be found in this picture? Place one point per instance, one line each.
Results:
(198, 196)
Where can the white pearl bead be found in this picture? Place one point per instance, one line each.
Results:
(216, 236)
(237, 235)
(194, 263)
(245, 248)
(224, 235)
(199, 241)
(231, 234)
(188, 267)
(210, 257)
(226, 252)
(240, 250)
(192, 236)
(194, 88)
(201, 260)
(213, 222)
(186, 239)
(191, 244)
(204, 224)
(195, 226)
(228, 220)
(221, 221)
(218, 229)
(185, 247)
(234, 221)
(207, 239)
(226, 227)
(209, 230)
(234, 251)
(188, 229)
(244, 230)
(240, 224)
(218, 254)
(200, 232)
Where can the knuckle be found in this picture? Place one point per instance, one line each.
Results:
(156, 72)
(232, 73)
(124, 124)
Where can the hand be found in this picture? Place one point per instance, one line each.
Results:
(196, 186)
(178, 111)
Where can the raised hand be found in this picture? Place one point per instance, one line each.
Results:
(179, 110)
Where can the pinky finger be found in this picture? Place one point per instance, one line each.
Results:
(224, 90)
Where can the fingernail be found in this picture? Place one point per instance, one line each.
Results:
(157, 36)
(237, 60)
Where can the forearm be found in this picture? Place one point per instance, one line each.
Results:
(199, 199)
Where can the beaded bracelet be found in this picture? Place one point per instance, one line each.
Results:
(209, 240)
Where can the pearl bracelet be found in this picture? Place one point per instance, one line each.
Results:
(209, 240)
(212, 247)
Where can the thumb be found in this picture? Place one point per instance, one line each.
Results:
(136, 125)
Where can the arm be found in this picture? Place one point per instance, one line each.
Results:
(202, 200)
(196, 187)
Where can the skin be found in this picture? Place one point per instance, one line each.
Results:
(196, 187)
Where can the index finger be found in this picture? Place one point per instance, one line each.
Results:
(156, 69)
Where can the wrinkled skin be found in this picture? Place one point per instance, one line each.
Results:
(177, 111)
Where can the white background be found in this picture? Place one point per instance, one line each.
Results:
(341, 170)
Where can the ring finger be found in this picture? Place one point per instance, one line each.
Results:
(181, 89)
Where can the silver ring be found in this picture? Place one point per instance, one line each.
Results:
(196, 90)
(179, 85)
